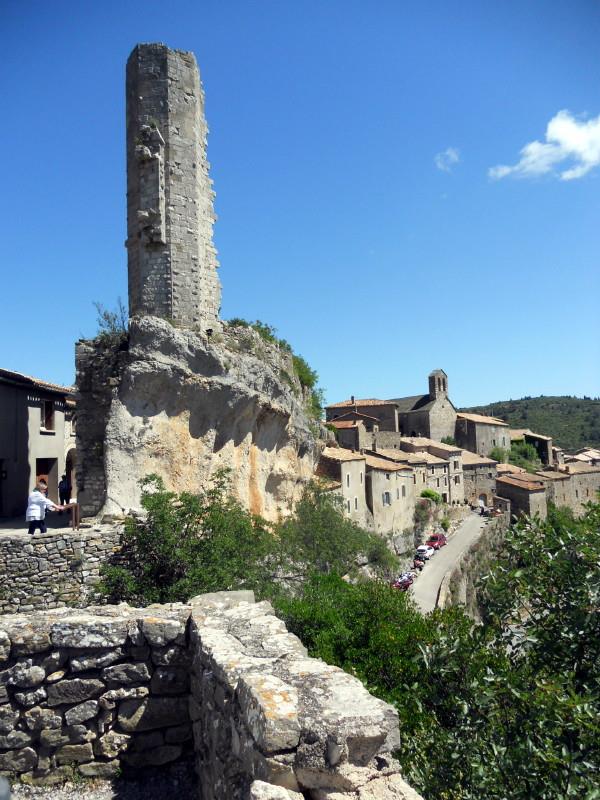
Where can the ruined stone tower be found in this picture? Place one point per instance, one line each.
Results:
(172, 262)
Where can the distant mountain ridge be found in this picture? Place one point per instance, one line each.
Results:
(573, 422)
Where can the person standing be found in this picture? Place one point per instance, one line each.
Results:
(37, 504)
(64, 490)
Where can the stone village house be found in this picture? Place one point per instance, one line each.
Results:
(37, 438)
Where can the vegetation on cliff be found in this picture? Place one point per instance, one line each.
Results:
(573, 422)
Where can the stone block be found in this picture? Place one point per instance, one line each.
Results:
(18, 760)
(4, 646)
(161, 631)
(14, 739)
(72, 753)
(75, 690)
(38, 718)
(181, 733)
(171, 656)
(86, 631)
(170, 680)
(154, 758)
(110, 699)
(82, 712)
(8, 719)
(269, 709)
(29, 699)
(43, 778)
(25, 676)
(111, 744)
(120, 674)
(95, 660)
(29, 637)
(259, 790)
(152, 713)
(146, 741)
(100, 769)
(72, 734)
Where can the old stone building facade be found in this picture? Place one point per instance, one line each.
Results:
(481, 434)
(479, 474)
(37, 441)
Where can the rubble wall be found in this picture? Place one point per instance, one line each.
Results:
(53, 569)
(123, 688)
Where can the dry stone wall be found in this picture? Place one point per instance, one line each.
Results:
(122, 688)
(54, 569)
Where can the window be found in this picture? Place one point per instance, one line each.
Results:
(414, 478)
(503, 441)
(47, 420)
(348, 479)
(445, 481)
(490, 475)
(456, 465)
(356, 503)
(397, 494)
(423, 477)
(387, 476)
(361, 478)
(387, 499)
(576, 493)
(404, 491)
(432, 469)
(438, 481)
(457, 479)
(348, 505)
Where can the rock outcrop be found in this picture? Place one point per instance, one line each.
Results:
(184, 405)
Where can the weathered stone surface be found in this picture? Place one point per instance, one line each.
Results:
(74, 690)
(25, 676)
(14, 739)
(95, 660)
(58, 775)
(8, 718)
(270, 710)
(391, 786)
(72, 734)
(112, 744)
(147, 741)
(259, 790)
(4, 646)
(154, 758)
(28, 699)
(56, 676)
(101, 769)
(160, 631)
(29, 637)
(170, 680)
(37, 718)
(82, 712)
(72, 753)
(155, 712)
(125, 673)
(110, 699)
(87, 631)
(18, 760)
(171, 656)
(182, 733)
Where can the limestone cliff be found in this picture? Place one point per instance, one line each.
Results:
(183, 405)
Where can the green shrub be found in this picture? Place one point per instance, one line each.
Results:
(498, 454)
(445, 523)
(431, 495)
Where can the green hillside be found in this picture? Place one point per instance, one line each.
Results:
(573, 422)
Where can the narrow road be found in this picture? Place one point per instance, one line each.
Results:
(425, 588)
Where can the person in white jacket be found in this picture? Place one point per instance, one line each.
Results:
(37, 504)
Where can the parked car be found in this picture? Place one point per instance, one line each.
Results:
(425, 551)
(437, 540)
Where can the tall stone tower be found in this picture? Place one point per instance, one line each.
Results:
(172, 261)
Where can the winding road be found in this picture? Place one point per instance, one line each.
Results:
(425, 588)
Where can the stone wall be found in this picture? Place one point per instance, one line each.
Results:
(109, 689)
(54, 569)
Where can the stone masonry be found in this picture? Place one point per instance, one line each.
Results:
(116, 688)
(171, 257)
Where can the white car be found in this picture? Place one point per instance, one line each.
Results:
(425, 551)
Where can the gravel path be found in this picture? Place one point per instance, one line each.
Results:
(177, 783)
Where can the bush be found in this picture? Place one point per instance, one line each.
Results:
(498, 454)
(112, 325)
(431, 495)
(445, 523)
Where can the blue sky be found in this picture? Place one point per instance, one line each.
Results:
(374, 202)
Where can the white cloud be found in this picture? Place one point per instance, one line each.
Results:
(571, 144)
(447, 159)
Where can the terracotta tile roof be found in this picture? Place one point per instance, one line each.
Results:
(431, 459)
(470, 459)
(28, 380)
(520, 433)
(579, 468)
(423, 441)
(358, 414)
(386, 466)
(343, 423)
(552, 475)
(341, 454)
(372, 401)
(481, 419)
(528, 483)
(399, 456)
(504, 469)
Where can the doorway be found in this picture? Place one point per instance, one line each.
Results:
(46, 469)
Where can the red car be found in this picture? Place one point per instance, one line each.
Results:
(437, 540)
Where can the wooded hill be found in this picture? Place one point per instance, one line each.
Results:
(573, 422)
